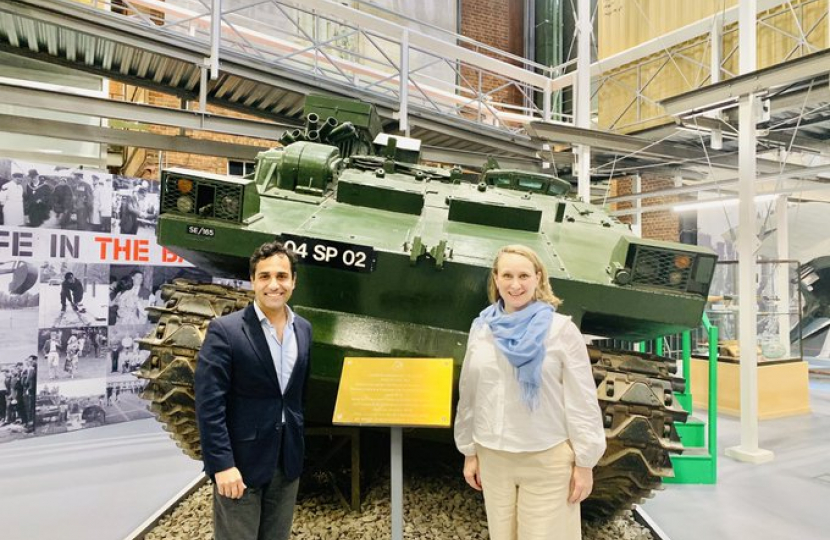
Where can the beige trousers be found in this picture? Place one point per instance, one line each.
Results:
(526, 494)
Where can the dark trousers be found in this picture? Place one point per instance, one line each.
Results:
(263, 513)
(22, 410)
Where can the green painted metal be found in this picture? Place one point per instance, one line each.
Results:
(307, 167)
(361, 115)
(685, 397)
(495, 215)
(413, 244)
(692, 469)
(713, 397)
(692, 433)
(582, 253)
(702, 468)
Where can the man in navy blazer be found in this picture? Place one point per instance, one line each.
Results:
(251, 380)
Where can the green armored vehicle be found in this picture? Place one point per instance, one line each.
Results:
(395, 257)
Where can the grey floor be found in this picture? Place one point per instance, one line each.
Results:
(93, 484)
(102, 483)
(787, 498)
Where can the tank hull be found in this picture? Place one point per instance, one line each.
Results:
(448, 297)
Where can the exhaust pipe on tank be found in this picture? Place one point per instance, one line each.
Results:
(326, 128)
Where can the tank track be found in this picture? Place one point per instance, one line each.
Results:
(636, 396)
(635, 393)
(181, 325)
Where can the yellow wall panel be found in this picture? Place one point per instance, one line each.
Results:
(626, 23)
(786, 32)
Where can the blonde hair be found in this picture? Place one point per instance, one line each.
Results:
(543, 293)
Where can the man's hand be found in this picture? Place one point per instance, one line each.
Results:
(471, 473)
(229, 483)
(582, 483)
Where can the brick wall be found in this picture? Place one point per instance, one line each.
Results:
(660, 225)
(144, 163)
(500, 24)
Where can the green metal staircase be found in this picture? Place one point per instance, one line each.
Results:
(698, 464)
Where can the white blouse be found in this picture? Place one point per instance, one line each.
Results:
(491, 412)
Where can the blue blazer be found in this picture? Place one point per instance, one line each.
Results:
(239, 404)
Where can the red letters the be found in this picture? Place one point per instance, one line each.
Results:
(124, 249)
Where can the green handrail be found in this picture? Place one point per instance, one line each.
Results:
(712, 416)
(713, 394)
(686, 355)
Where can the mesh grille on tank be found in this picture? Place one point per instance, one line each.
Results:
(228, 202)
(217, 200)
(171, 196)
(656, 267)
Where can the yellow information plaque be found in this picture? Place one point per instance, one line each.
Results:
(411, 392)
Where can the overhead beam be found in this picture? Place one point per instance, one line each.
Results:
(816, 93)
(120, 30)
(776, 138)
(169, 143)
(564, 134)
(798, 174)
(759, 82)
(477, 160)
(45, 16)
(97, 107)
(731, 197)
(674, 153)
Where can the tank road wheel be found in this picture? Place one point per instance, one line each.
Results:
(169, 370)
(636, 396)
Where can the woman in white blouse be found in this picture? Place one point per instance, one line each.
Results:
(528, 421)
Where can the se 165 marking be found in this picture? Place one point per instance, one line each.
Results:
(201, 231)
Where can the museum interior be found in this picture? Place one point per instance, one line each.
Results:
(669, 161)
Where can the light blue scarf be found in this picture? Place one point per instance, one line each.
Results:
(521, 337)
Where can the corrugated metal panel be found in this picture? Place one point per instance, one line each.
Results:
(107, 53)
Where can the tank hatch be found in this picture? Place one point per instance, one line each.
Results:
(517, 180)
(379, 191)
(495, 214)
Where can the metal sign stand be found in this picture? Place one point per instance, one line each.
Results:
(396, 481)
(393, 393)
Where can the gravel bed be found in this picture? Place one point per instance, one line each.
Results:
(436, 507)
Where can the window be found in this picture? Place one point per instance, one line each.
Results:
(240, 168)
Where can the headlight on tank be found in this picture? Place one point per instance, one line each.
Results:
(184, 185)
(230, 205)
(184, 204)
(675, 278)
(682, 262)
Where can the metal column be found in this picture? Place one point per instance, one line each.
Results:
(715, 59)
(747, 316)
(215, 38)
(637, 224)
(782, 272)
(582, 97)
(403, 74)
(396, 481)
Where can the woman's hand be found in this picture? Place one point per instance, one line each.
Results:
(471, 473)
(582, 483)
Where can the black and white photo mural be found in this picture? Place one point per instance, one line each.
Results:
(79, 264)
